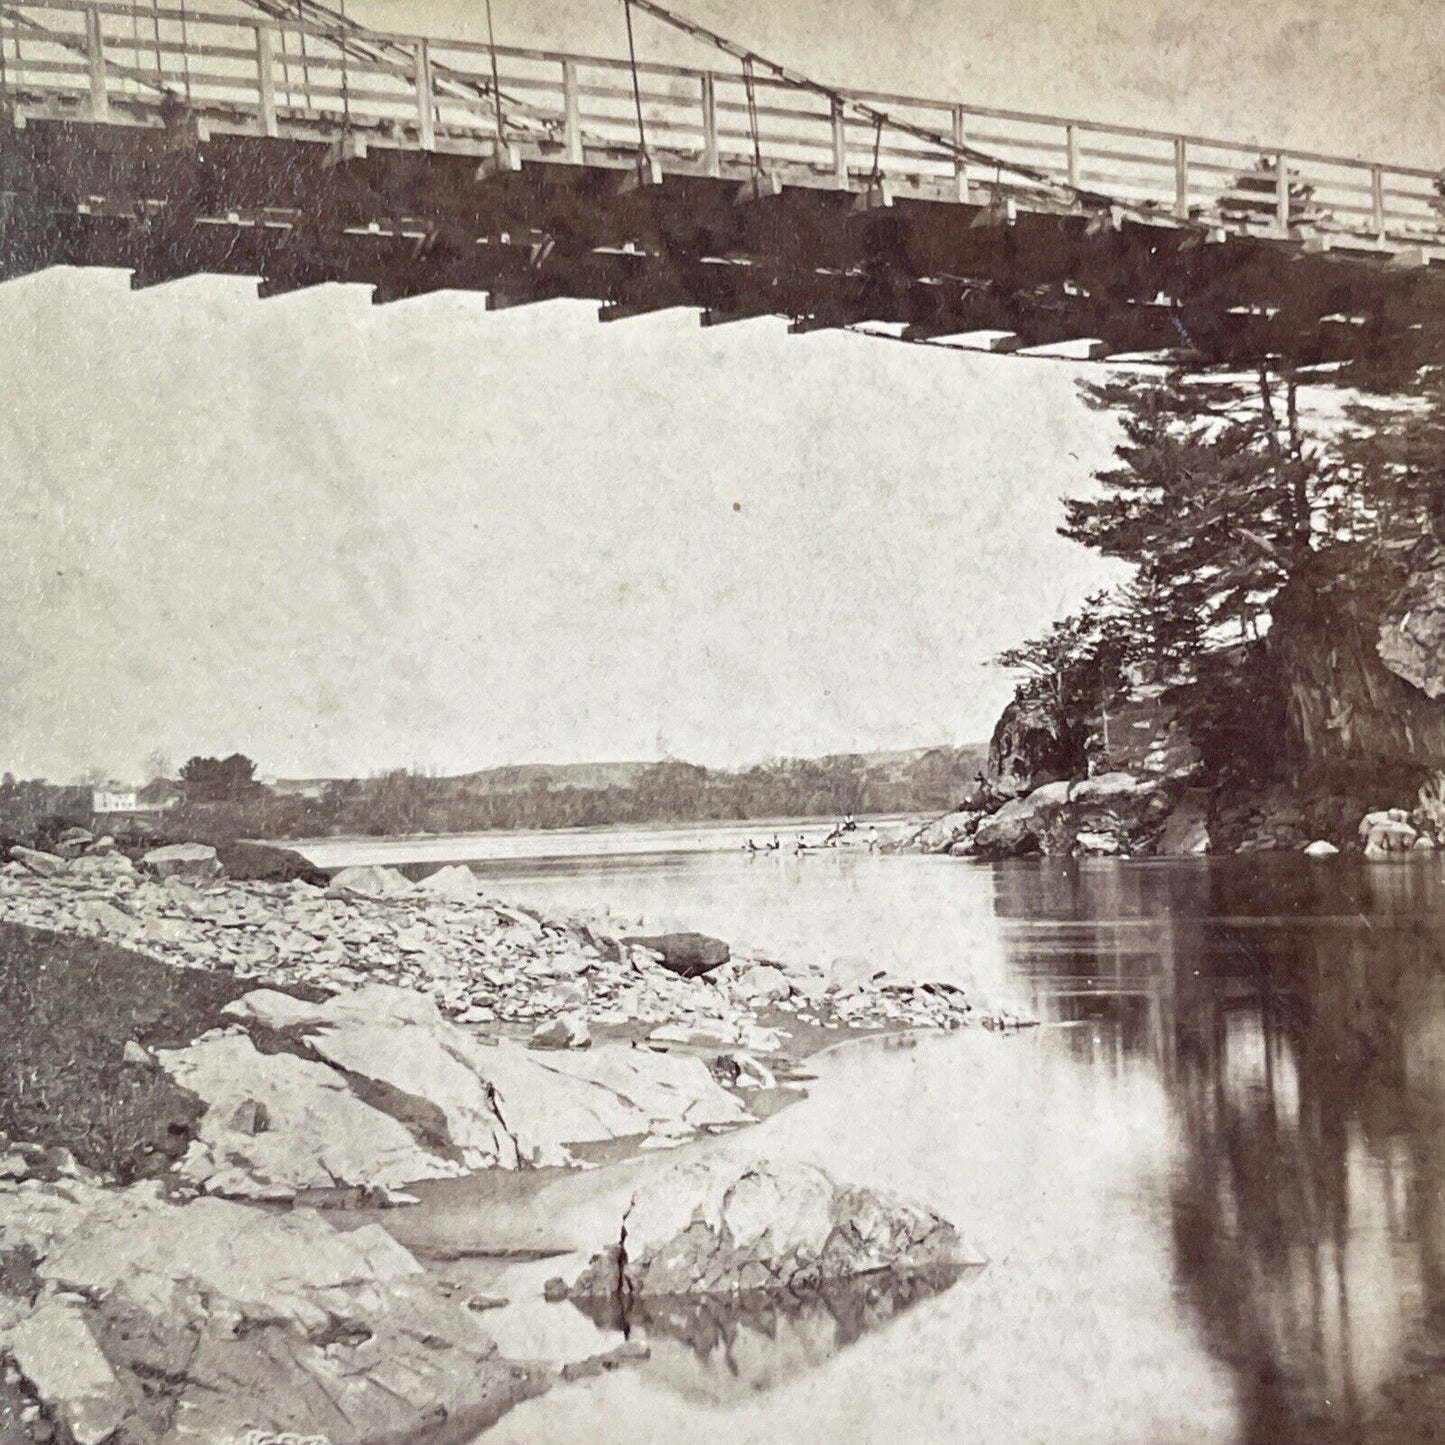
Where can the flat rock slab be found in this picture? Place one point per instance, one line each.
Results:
(317, 1133)
(183, 860)
(256, 1321)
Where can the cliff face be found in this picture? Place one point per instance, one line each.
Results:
(1359, 650)
(1030, 746)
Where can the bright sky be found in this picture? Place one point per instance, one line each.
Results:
(341, 538)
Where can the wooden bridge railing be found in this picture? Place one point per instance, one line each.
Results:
(111, 62)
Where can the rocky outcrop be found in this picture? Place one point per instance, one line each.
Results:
(1114, 813)
(686, 954)
(727, 1224)
(394, 1094)
(1353, 643)
(1031, 745)
(1410, 640)
(204, 1321)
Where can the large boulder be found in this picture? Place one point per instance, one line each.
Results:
(268, 863)
(194, 861)
(687, 954)
(1030, 745)
(727, 1224)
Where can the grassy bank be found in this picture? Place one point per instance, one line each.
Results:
(71, 1006)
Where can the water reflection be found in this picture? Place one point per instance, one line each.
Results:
(722, 1349)
(1297, 1018)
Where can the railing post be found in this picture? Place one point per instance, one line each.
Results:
(1281, 192)
(840, 147)
(1181, 177)
(425, 113)
(960, 166)
(1377, 200)
(95, 53)
(572, 112)
(1071, 146)
(711, 163)
(266, 78)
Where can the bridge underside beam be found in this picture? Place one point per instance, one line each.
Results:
(409, 222)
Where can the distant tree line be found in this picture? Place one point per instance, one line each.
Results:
(221, 799)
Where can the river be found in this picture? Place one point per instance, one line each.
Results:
(1209, 1187)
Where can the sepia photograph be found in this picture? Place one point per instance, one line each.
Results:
(722, 723)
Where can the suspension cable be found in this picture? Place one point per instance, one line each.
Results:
(345, 74)
(156, 27)
(496, 81)
(642, 156)
(185, 51)
(870, 113)
(134, 40)
(749, 85)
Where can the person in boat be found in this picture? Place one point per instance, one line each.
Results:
(872, 838)
(850, 824)
(802, 846)
(774, 845)
(752, 847)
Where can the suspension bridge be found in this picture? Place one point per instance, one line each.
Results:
(280, 140)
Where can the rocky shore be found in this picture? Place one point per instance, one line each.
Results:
(203, 1062)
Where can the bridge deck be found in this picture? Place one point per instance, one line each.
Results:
(169, 141)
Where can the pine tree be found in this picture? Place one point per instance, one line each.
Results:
(1215, 500)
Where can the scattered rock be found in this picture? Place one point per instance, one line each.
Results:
(46, 865)
(686, 954)
(55, 1350)
(1387, 832)
(103, 865)
(1321, 848)
(628, 1352)
(761, 984)
(73, 842)
(133, 1053)
(1186, 829)
(555, 1290)
(566, 1031)
(483, 1302)
(106, 917)
(372, 881)
(726, 1224)
(451, 882)
(192, 861)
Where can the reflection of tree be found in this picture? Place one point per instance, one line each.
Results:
(1297, 1018)
(1294, 1087)
(722, 1347)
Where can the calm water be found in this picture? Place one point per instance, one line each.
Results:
(1209, 1188)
